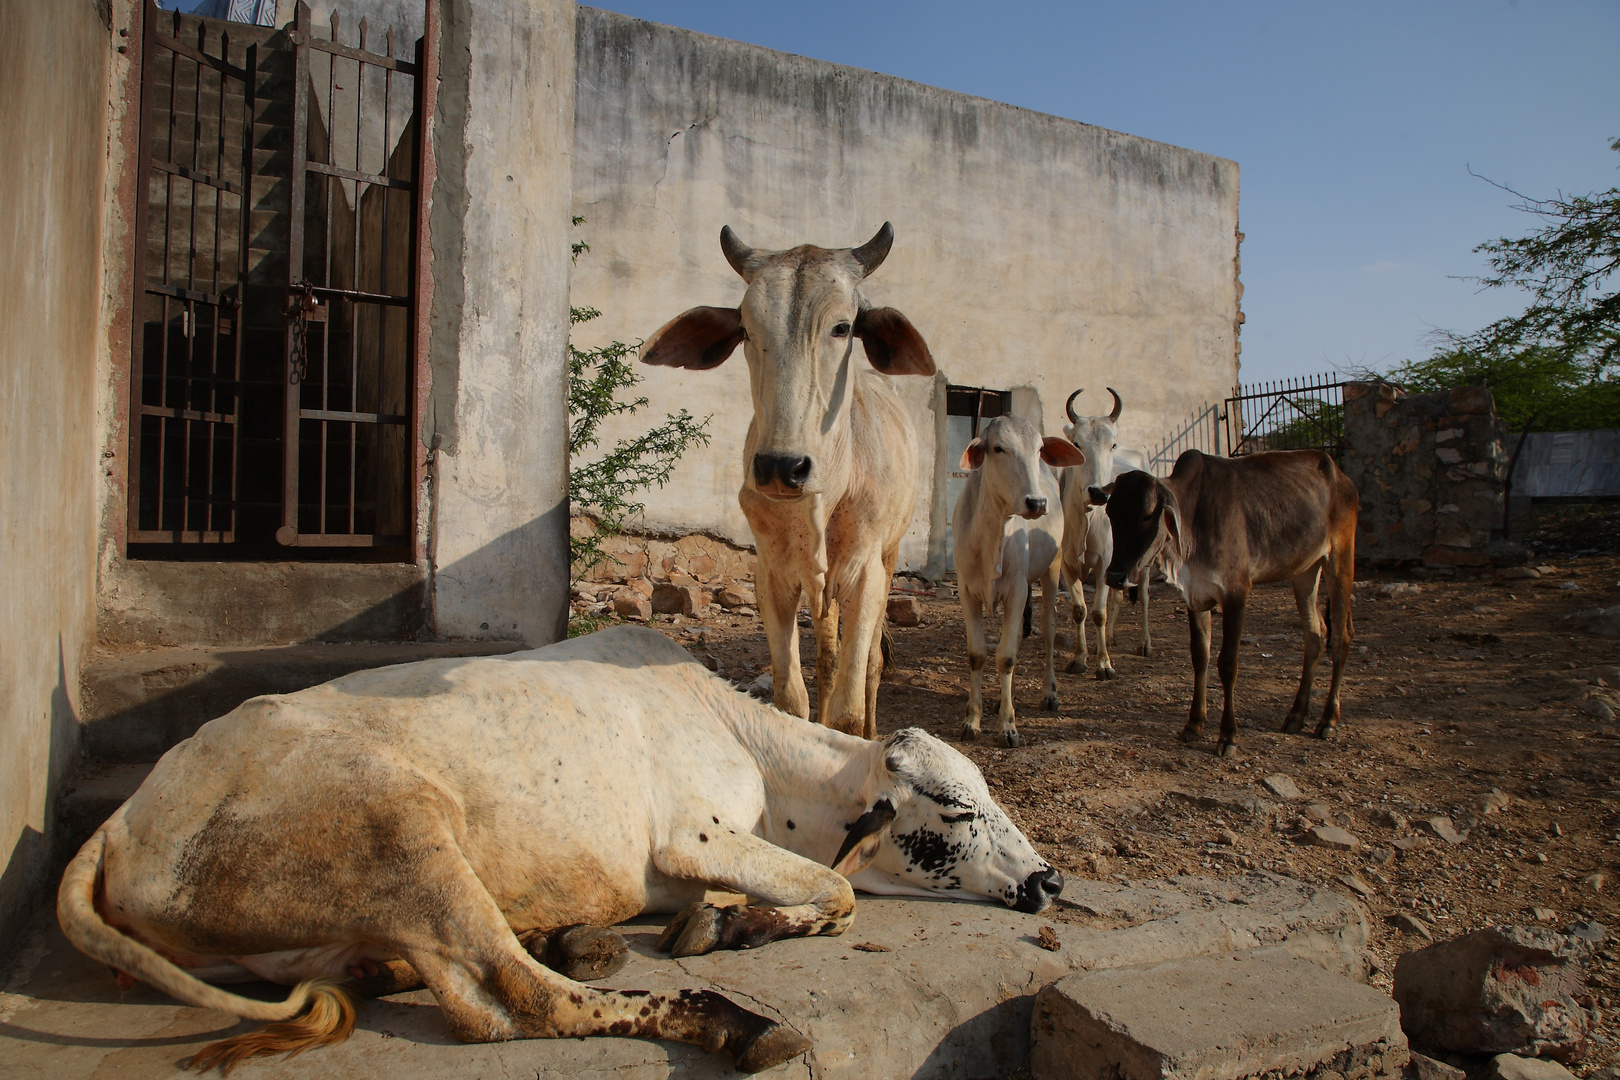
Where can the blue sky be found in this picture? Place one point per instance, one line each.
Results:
(1354, 124)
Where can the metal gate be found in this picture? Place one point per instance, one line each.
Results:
(197, 107)
(1305, 413)
(274, 364)
(351, 266)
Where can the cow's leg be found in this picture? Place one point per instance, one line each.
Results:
(1049, 587)
(882, 651)
(844, 708)
(491, 989)
(1101, 598)
(1310, 623)
(1116, 601)
(826, 630)
(1231, 638)
(1147, 636)
(1198, 631)
(1341, 570)
(1007, 660)
(1077, 601)
(794, 897)
(973, 623)
(779, 610)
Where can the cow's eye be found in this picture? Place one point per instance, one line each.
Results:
(841, 330)
(952, 819)
(999, 449)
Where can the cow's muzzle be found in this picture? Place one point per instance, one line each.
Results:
(782, 474)
(1034, 507)
(1115, 579)
(1039, 890)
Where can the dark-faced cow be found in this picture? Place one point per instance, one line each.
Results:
(1225, 525)
(440, 822)
(830, 460)
(1007, 529)
(1088, 543)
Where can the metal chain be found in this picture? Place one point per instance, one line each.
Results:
(301, 301)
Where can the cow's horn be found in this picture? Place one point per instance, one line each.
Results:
(1119, 406)
(737, 252)
(1068, 406)
(872, 253)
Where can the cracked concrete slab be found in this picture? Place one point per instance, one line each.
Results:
(945, 991)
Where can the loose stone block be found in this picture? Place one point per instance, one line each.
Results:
(1219, 1017)
(904, 611)
(1513, 1067)
(1281, 786)
(1504, 989)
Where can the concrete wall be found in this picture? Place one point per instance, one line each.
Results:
(498, 418)
(1032, 252)
(53, 80)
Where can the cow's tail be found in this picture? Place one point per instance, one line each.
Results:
(317, 1012)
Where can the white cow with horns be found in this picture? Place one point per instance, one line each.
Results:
(456, 822)
(1088, 543)
(1008, 524)
(830, 459)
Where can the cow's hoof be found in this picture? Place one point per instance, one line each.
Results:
(1145, 650)
(693, 932)
(1327, 731)
(1050, 703)
(1104, 673)
(1077, 667)
(585, 953)
(1226, 749)
(1012, 737)
(771, 1047)
(1191, 734)
(970, 732)
(1293, 725)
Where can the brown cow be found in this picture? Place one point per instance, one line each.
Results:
(1225, 525)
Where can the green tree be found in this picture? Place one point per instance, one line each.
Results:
(1554, 365)
(606, 487)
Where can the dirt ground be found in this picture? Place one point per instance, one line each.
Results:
(1454, 688)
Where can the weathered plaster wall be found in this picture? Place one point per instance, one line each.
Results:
(1031, 251)
(498, 412)
(53, 81)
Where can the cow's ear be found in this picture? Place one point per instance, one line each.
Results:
(698, 339)
(973, 456)
(1061, 453)
(892, 344)
(1172, 525)
(861, 845)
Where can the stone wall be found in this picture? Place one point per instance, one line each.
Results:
(1430, 469)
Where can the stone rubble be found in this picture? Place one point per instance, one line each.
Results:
(1504, 989)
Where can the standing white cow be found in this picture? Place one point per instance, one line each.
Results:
(1007, 530)
(1088, 543)
(830, 461)
(440, 822)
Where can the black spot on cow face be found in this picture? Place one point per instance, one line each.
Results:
(948, 835)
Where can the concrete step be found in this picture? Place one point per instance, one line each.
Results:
(137, 704)
(1263, 1013)
(925, 989)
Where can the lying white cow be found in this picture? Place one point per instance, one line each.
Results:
(1007, 530)
(1088, 543)
(431, 814)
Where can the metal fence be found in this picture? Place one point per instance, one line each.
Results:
(1305, 413)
